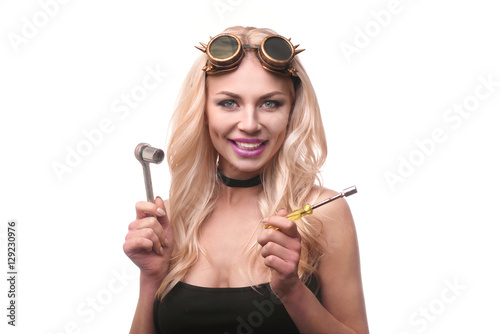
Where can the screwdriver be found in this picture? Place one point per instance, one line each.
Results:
(308, 209)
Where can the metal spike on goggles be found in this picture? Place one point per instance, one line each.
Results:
(225, 52)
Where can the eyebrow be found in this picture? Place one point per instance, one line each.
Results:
(236, 96)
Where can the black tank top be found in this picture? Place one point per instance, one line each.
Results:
(192, 309)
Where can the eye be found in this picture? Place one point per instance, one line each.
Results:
(271, 104)
(227, 104)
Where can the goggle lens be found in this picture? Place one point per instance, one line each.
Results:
(223, 47)
(278, 48)
(225, 52)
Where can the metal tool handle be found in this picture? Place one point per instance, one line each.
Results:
(146, 154)
(147, 182)
(308, 209)
(346, 192)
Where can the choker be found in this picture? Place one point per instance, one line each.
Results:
(233, 183)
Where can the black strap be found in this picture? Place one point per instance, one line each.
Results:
(233, 183)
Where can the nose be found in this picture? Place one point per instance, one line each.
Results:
(249, 121)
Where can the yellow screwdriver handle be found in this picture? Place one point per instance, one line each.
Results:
(297, 214)
(308, 209)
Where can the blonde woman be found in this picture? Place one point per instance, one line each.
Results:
(246, 147)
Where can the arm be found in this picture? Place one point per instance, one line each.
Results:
(343, 308)
(143, 318)
(149, 245)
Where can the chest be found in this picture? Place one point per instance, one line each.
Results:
(227, 237)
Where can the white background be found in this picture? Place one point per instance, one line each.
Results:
(434, 227)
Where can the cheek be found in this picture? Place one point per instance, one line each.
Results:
(211, 121)
(278, 126)
(217, 126)
(215, 132)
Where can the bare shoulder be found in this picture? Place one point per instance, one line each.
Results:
(336, 216)
(339, 269)
(337, 227)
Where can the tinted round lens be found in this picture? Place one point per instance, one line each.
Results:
(278, 48)
(223, 47)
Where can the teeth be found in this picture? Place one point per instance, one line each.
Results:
(247, 146)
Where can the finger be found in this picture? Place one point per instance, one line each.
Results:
(282, 224)
(135, 245)
(163, 218)
(283, 269)
(282, 212)
(146, 234)
(152, 223)
(269, 237)
(165, 222)
(145, 209)
(291, 255)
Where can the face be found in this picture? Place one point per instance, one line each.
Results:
(247, 111)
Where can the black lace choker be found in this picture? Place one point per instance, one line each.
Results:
(233, 183)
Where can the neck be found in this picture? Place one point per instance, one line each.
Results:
(236, 196)
(234, 190)
(239, 183)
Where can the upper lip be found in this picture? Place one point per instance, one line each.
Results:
(249, 140)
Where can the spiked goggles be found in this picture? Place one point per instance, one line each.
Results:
(225, 52)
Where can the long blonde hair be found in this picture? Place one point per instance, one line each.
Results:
(288, 180)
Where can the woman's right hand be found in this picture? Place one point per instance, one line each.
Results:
(149, 240)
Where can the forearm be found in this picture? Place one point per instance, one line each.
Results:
(309, 314)
(143, 322)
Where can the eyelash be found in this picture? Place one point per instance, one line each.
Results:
(225, 103)
(276, 104)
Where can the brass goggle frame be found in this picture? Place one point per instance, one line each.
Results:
(225, 52)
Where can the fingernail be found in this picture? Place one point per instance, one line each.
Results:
(264, 220)
(165, 242)
(161, 250)
(161, 212)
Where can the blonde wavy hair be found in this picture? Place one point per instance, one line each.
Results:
(288, 179)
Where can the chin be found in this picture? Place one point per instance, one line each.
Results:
(245, 166)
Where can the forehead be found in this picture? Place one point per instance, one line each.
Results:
(249, 78)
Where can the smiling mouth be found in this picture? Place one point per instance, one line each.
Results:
(248, 146)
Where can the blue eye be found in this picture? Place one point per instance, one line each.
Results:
(227, 103)
(271, 104)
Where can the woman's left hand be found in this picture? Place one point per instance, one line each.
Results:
(281, 252)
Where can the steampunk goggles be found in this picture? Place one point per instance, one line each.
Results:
(225, 52)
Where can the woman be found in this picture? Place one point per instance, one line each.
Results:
(246, 147)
